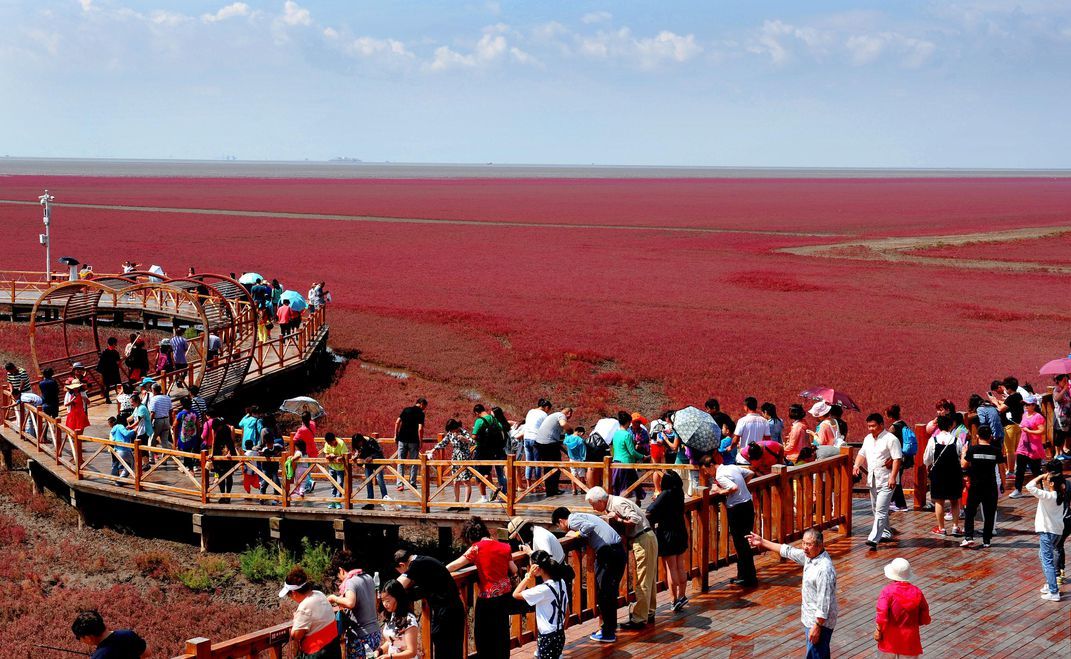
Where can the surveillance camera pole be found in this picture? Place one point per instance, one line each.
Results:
(46, 237)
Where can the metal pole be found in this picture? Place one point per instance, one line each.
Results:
(46, 237)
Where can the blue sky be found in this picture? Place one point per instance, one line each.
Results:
(977, 83)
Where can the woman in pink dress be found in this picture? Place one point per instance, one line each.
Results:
(77, 403)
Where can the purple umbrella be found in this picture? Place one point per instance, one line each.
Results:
(831, 396)
(1060, 366)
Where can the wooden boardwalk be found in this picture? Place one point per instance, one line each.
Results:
(984, 602)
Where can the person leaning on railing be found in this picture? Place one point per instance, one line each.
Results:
(314, 629)
(494, 571)
(428, 579)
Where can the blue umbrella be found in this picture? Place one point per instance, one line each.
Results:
(297, 303)
(249, 278)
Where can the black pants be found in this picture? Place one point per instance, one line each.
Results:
(448, 632)
(1060, 546)
(550, 453)
(492, 626)
(898, 492)
(609, 568)
(1021, 463)
(741, 523)
(987, 497)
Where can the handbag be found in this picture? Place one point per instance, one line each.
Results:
(595, 442)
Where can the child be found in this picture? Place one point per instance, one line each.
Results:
(578, 452)
(250, 479)
(550, 599)
(122, 457)
(1051, 491)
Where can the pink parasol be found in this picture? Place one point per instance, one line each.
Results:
(1060, 366)
(831, 396)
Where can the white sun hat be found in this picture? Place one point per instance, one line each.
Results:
(899, 570)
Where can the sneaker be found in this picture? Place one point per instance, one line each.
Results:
(1016, 494)
(962, 514)
(948, 517)
(957, 531)
(399, 487)
(386, 497)
(482, 500)
(599, 638)
(886, 535)
(633, 625)
(871, 546)
(938, 530)
(985, 545)
(679, 603)
(1045, 589)
(897, 509)
(1049, 597)
(967, 542)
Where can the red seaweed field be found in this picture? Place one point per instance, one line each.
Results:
(601, 293)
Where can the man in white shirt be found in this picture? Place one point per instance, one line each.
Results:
(730, 481)
(534, 538)
(750, 429)
(883, 456)
(532, 421)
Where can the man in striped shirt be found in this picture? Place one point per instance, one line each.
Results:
(17, 378)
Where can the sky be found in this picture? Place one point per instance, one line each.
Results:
(815, 83)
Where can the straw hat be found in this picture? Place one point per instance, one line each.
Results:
(75, 384)
(515, 525)
(899, 570)
(821, 408)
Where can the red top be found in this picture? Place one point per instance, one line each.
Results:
(492, 559)
(285, 314)
(772, 454)
(901, 609)
(309, 435)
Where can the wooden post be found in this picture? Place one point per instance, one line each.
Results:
(199, 647)
(846, 491)
(425, 490)
(705, 509)
(137, 465)
(76, 449)
(782, 505)
(286, 482)
(606, 473)
(511, 487)
(204, 477)
(347, 486)
(920, 469)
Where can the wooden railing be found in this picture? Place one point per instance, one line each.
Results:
(787, 503)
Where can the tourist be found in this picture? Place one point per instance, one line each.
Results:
(306, 431)
(730, 481)
(337, 453)
(610, 560)
(1050, 489)
(356, 602)
(90, 630)
(666, 513)
(284, 315)
(981, 461)
(108, 367)
(179, 349)
(550, 599)
(626, 453)
(837, 413)
(532, 420)
(140, 422)
(901, 610)
(129, 347)
(17, 378)
(276, 294)
(632, 521)
(251, 423)
(314, 629)
(489, 443)
(828, 431)
(165, 362)
(503, 445)
(213, 346)
(221, 447)
(908, 447)
(315, 296)
(494, 571)
(1030, 450)
(777, 426)
(77, 403)
(763, 455)
(122, 458)
(401, 629)
(461, 445)
(600, 443)
(187, 431)
(365, 451)
(946, 478)
(1061, 406)
(250, 478)
(160, 414)
(270, 450)
(883, 457)
(198, 403)
(549, 444)
(750, 428)
(577, 451)
(1008, 399)
(818, 607)
(721, 419)
(665, 437)
(531, 537)
(798, 436)
(429, 579)
(49, 389)
(408, 434)
(137, 362)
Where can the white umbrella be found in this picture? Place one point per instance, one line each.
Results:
(303, 404)
(156, 270)
(249, 278)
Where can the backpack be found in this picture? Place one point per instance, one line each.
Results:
(909, 441)
(188, 427)
(491, 438)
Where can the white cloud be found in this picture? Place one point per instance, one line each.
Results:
(50, 41)
(371, 47)
(230, 11)
(490, 49)
(912, 52)
(167, 18)
(596, 17)
(649, 52)
(294, 14)
(667, 46)
(778, 40)
(87, 5)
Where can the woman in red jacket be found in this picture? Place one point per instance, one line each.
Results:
(902, 608)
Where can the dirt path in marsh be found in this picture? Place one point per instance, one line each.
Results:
(895, 249)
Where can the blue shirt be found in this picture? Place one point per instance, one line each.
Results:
(144, 426)
(119, 433)
(251, 427)
(179, 346)
(727, 456)
(990, 416)
(575, 447)
(594, 530)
